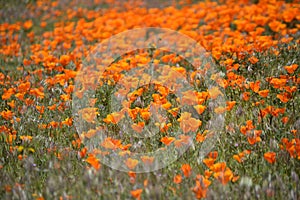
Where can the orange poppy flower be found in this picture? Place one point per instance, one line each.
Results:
(138, 127)
(270, 157)
(207, 173)
(114, 117)
(200, 109)
(290, 69)
(163, 126)
(173, 111)
(253, 60)
(132, 176)
(213, 154)
(147, 160)
(131, 163)
(64, 60)
(284, 97)
(110, 143)
(136, 193)
(214, 92)
(189, 98)
(218, 167)
(187, 123)
(252, 139)
(224, 176)
(145, 114)
(24, 87)
(7, 93)
(26, 138)
(285, 119)
(92, 160)
(276, 26)
(27, 24)
(278, 82)
(177, 179)
(89, 114)
(8, 114)
(239, 157)
(186, 169)
(11, 104)
(201, 187)
(38, 92)
(255, 86)
(209, 162)
(246, 96)
(167, 140)
(220, 110)
(200, 137)
(263, 93)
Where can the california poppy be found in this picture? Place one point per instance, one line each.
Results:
(270, 157)
(136, 193)
(186, 169)
(131, 163)
(188, 123)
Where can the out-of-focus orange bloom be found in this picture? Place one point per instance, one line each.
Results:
(290, 69)
(7, 93)
(278, 82)
(27, 138)
(24, 87)
(214, 92)
(240, 157)
(27, 24)
(189, 98)
(64, 60)
(167, 140)
(38, 92)
(249, 126)
(209, 162)
(284, 97)
(147, 160)
(131, 163)
(183, 140)
(186, 169)
(263, 93)
(201, 187)
(92, 160)
(255, 137)
(114, 117)
(270, 157)
(89, 114)
(246, 96)
(136, 193)
(138, 127)
(253, 60)
(220, 109)
(255, 86)
(276, 26)
(187, 123)
(110, 143)
(200, 109)
(224, 176)
(230, 105)
(200, 137)
(177, 179)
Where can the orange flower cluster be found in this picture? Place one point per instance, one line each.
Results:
(37, 82)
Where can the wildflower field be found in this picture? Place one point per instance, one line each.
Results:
(209, 108)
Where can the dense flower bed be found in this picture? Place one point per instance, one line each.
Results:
(254, 47)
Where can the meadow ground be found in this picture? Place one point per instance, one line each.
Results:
(226, 121)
